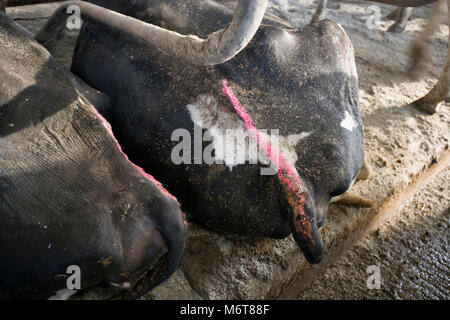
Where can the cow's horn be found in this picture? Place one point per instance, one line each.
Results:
(219, 47)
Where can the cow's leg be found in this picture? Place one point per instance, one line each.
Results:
(320, 11)
(395, 15)
(441, 91)
(418, 48)
(365, 171)
(353, 199)
(2, 6)
(400, 23)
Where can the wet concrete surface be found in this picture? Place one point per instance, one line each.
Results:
(411, 250)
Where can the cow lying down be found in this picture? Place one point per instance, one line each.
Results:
(172, 115)
(69, 198)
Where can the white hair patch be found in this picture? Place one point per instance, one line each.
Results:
(348, 122)
(232, 143)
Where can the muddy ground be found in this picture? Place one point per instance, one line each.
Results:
(411, 249)
(400, 144)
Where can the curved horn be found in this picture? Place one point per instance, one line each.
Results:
(406, 3)
(219, 47)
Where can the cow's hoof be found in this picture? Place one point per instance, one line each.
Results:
(425, 106)
(365, 172)
(394, 15)
(396, 28)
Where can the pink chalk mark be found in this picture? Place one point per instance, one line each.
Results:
(275, 157)
(119, 147)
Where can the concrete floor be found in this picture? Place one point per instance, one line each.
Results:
(411, 250)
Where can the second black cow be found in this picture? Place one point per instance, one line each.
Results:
(173, 117)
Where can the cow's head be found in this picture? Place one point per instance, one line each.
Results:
(68, 195)
(302, 82)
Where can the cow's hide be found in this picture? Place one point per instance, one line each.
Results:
(302, 82)
(68, 195)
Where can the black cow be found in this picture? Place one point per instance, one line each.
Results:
(69, 197)
(302, 82)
